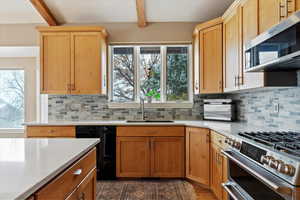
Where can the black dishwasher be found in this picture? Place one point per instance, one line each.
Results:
(106, 149)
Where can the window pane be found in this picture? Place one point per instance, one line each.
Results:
(150, 67)
(11, 98)
(177, 73)
(123, 74)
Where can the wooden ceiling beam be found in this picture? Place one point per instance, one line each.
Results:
(140, 8)
(44, 11)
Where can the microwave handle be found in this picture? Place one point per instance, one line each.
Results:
(265, 180)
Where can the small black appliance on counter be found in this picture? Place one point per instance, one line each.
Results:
(106, 149)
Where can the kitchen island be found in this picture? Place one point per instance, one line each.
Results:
(37, 167)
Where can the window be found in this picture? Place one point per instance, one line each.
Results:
(11, 98)
(158, 74)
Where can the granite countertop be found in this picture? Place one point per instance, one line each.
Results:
(225, 128)
(28, 164)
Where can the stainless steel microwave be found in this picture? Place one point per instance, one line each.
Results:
(277, 49)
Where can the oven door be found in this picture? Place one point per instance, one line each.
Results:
(249, 181)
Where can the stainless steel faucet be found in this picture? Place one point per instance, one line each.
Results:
(142, 107)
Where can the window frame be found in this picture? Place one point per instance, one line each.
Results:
(163, 103)
(26, 59)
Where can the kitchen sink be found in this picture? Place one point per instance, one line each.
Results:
(149, 121)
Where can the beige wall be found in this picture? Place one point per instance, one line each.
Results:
(26, 35)
(154, 32)
(18, 35)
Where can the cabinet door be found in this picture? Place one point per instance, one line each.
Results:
(86, 63)
(133, 157)
(269, 14)
(167, 157)
(55, 63)
(197, 155)
(216, 172)
(232, 52)
(196, 63)
(211, 60)
(249, 18)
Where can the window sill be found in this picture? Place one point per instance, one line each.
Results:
(151, 105)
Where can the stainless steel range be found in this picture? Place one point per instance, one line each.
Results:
(263, 166)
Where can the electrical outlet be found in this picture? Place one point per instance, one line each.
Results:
(275, 107)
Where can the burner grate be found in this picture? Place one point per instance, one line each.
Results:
(288, 142)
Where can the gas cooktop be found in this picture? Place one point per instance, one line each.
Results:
(288, 142)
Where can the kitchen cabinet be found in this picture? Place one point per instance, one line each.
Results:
(50, 131)
(76, 182)
(143, 152)
(198, 155)
(73, 60)
(133, 157)
(232, 51)
(86, 189)
(249, 28)
(269, 14)
(208, 57)
(218, 166)
(167, 157)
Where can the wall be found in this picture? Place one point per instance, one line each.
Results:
(154, 32)
(257, 107)
(18, 35)
(26, 34)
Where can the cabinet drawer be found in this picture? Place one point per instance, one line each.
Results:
(50, 131)
(152, 131)
(217, 139)
(62, 186)
(86, 189)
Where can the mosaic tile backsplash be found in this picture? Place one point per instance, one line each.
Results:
(254, 107)
(95, 107)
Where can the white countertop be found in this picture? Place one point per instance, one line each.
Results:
(225, 128)
(28, 164)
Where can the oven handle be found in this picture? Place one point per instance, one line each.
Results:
(229, 187)
(266, 181)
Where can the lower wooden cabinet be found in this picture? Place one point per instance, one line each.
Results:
(50, 131)
(150, 157)
(197, 155)
(133, 157)
(218, 166)
(167, 157)
(216, 171)
(76, 182)
(87, 189)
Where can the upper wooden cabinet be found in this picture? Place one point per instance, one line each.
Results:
(269, 14)
(249, 29)
(208, 57)
(232, 51)
(73, 60)
(197, 155)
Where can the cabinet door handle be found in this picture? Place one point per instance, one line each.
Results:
(77, 172)
(82, 196)
(235, 78)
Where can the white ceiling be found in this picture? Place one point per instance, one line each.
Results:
(99, 11)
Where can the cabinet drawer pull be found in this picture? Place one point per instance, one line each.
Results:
(51, 131)
(77, 172)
